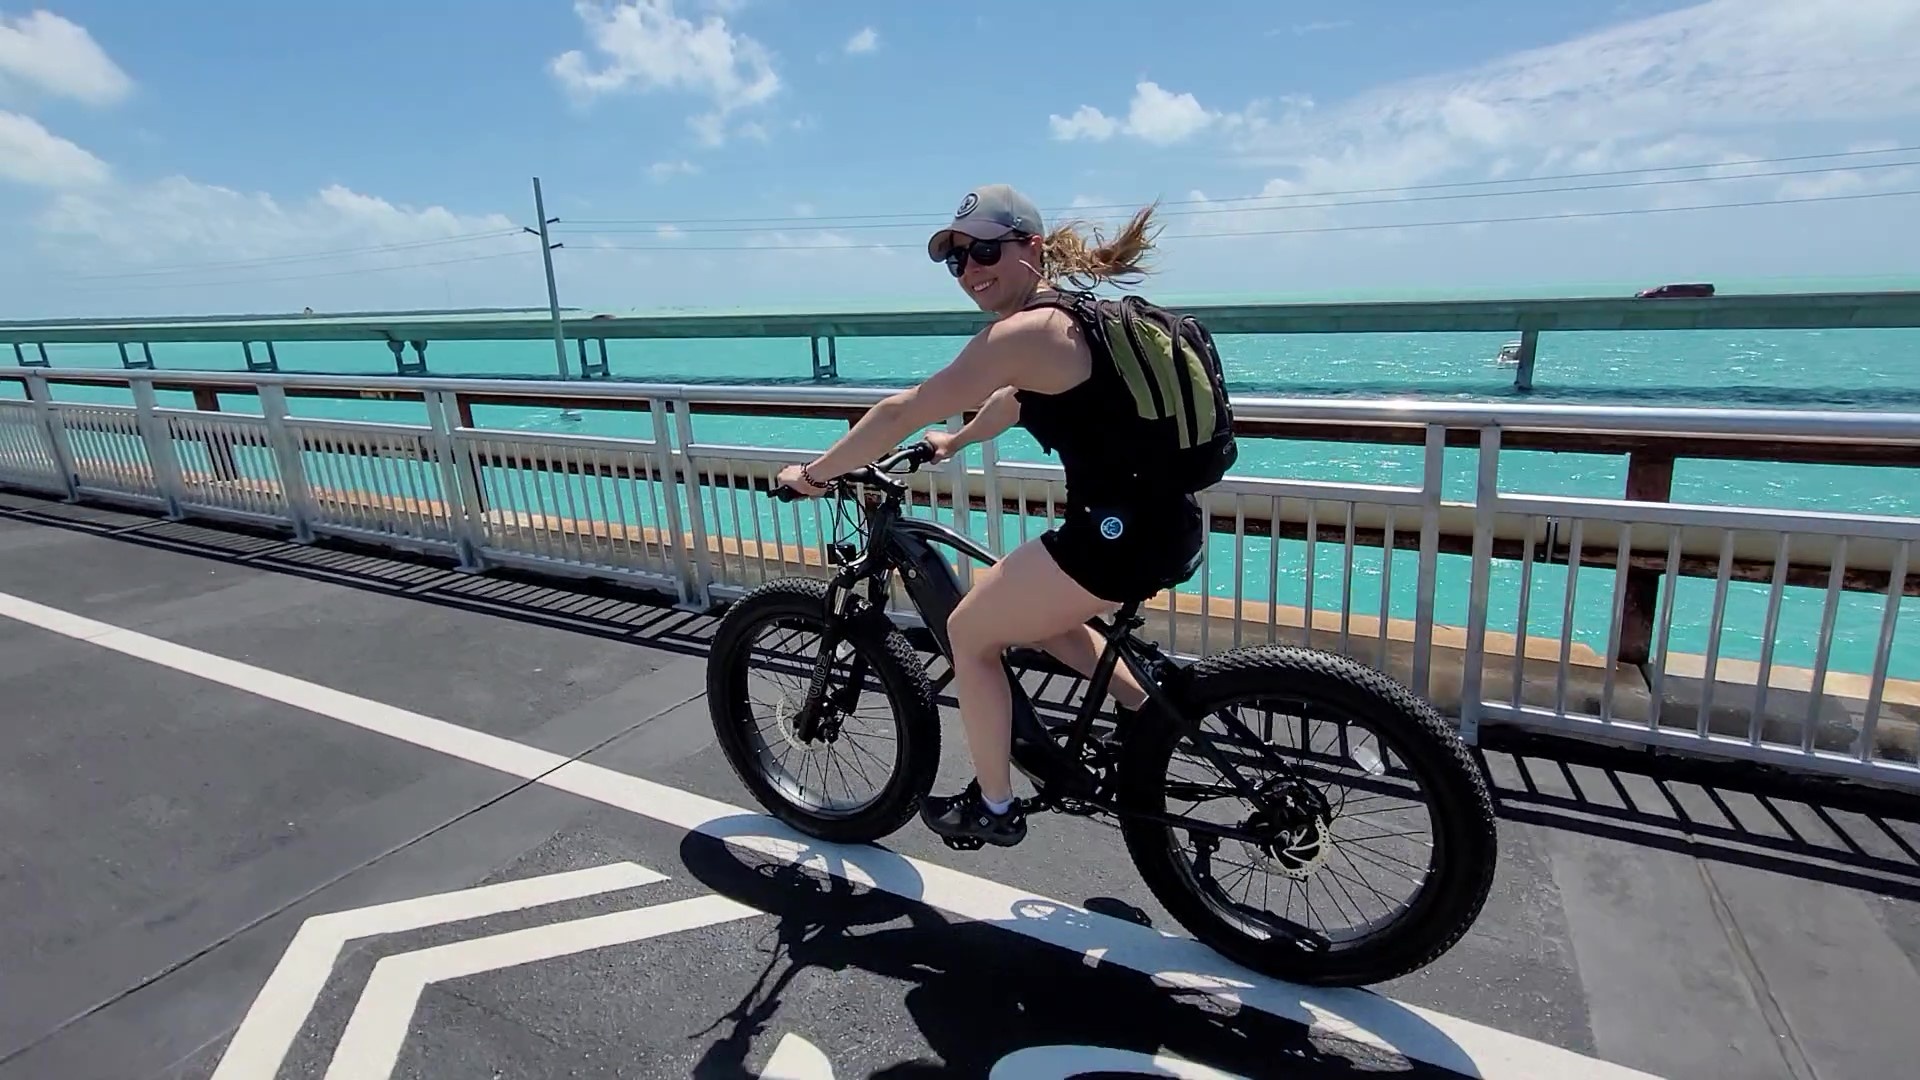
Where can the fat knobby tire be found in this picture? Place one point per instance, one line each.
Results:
(889, 658)
(1464, 829)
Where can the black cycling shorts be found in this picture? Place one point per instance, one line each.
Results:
(1124, 552)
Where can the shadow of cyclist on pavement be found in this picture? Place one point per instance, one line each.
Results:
(975, 992)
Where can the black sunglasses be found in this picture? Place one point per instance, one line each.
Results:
(984, 252)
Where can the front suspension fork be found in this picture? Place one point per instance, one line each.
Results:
(807, 724)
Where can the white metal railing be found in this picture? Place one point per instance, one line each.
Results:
(660, 509)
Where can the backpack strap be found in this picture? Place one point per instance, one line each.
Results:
(1083, 306)
(1086, 310)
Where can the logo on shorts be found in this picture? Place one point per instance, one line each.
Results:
(1111, 527)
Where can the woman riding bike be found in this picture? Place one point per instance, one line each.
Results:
(1122, 537)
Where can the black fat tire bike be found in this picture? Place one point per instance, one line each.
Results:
(1288, 823)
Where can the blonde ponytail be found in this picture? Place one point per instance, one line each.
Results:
(1066, 255)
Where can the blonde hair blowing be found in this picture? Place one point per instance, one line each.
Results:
(1066, 255)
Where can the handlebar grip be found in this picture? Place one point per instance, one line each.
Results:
(783, 493)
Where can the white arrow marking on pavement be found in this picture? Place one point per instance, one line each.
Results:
(281, 1007)
(1412, 1031)
(797, 1059)
(378, 1028)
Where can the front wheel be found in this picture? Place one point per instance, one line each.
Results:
(861, 774)
(1369, 848)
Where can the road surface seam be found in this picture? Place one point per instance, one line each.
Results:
(1785, 1042)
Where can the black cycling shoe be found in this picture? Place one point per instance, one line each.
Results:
(965, 822)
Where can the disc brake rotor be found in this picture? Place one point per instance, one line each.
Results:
(1298, 853)
(785, 712)
(1298, 849)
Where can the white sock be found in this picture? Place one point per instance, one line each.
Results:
(997, 807)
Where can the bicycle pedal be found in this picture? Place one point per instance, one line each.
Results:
(964, 843)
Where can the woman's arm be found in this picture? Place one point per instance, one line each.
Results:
(1001, 412)
(1025, 351)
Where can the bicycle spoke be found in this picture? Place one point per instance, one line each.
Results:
(808, 772)
(1356, 775)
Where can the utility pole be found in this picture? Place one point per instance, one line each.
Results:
(553, 293)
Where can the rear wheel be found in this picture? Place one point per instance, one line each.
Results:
(878, 745)
(1373, 837)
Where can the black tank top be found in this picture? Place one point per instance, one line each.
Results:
(1078, 425)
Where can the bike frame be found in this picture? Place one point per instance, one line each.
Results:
(896, 541)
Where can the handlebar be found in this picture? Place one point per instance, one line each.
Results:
(873, 475)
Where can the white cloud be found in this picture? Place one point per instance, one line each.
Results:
(1704, 74)
(1848, 182)
(1155, 115)
(664, 170)
(645, 46)
(1161, 117)
(867, 40)
(1086, 122)
(178, 221)
(818, 238)
(30, 154)
(46, 52)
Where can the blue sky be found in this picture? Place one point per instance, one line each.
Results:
(224, 157)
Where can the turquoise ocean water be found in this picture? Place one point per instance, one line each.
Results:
(1803, 369)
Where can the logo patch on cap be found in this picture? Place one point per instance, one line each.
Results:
(967, 205)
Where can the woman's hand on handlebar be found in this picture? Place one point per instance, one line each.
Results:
(945, 444)
(791, 478)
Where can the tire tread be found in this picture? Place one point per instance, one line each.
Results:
(1463, 808)
(900, 673)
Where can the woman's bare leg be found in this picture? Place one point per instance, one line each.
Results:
(1080, 649)
(1024, 599)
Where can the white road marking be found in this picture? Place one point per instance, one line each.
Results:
(797, 1059)
(1413, 1031)
(377, 1031)
(260, 1044)
(1064, 1062)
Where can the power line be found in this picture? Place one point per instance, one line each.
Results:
(264, 260)
(322, 274)
(1394, 202)
(1321, 229)
(921, 216)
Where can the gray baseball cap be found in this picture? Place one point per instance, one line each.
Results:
(988, 213)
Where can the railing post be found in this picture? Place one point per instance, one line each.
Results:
(162, 462)
(689, 565)
(1649, 479)
(55, 433)
(1486, 500)
(990, 477)
(464, 507)
(294, 488)
(962, 504)
(1432, 479)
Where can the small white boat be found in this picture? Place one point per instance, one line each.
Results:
(1509, 355)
